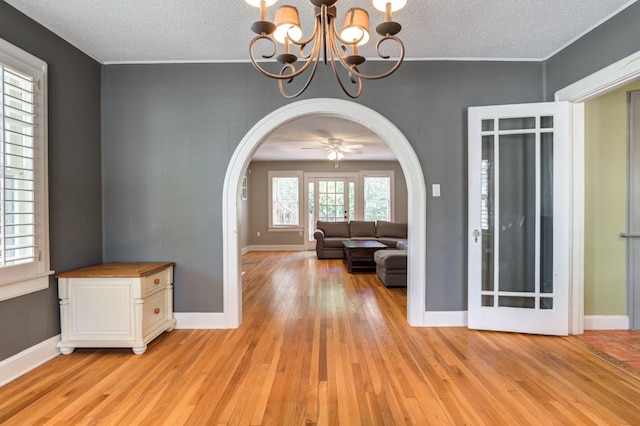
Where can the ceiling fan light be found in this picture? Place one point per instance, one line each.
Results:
(256, 3)
(356, 26)
(334, 155)
(287, 24)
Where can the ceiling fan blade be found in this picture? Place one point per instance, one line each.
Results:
(355, 146)
(351, 151)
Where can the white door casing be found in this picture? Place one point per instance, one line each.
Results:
(416, 192)
(607, 79)
(632, 233)
(519, 233)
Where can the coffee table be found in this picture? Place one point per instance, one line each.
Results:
(359, 254)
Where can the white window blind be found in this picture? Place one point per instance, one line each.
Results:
(17, 168)
(24, 215)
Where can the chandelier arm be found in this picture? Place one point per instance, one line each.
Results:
(263, 37)
(305, 43)
(311, 75)
(324, 27)
(333, 49)
(388, 72)
(279, 76)
(307, 64)
(357, 81)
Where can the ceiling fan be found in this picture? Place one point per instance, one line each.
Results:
(336, 148)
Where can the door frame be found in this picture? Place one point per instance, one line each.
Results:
(607, 79)
(416, 194)
(308, 177)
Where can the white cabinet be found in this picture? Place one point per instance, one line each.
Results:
(115, 305)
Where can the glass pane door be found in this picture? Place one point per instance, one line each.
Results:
(513, 195)
(332, 200)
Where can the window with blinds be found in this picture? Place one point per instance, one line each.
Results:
(17, 172)
(24, 215)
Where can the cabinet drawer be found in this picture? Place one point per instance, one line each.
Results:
(157, 281)
(155, 311)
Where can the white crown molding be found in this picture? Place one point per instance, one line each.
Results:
(247, 61)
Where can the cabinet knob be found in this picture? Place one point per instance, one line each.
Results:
(156, 311)
(156, 281)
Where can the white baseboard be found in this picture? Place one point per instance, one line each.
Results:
(25, 361)
(274, 248)
(445, 319)
(200, 320)
(606, 322)
(245, 250)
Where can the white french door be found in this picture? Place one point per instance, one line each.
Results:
(332, 199)
(329, 199)
(519, 209)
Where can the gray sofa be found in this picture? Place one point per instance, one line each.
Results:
(330, 235)
(391, 267)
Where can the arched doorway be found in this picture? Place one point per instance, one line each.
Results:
(416, 193)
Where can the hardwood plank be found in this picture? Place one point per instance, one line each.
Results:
(321, 346)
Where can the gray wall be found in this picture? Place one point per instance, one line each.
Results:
(259, 196)
(75, 206)
(170, 130)
(617, 38)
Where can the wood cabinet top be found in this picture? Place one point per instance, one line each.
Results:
(113, 270)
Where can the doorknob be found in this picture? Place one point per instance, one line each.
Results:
(476, 234)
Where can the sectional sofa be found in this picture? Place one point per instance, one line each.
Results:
(391, 264)
(330, 235)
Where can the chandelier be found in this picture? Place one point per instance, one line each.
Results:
(324, 42)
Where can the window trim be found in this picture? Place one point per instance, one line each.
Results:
(21, 284)
(284, 174)
(392, 189)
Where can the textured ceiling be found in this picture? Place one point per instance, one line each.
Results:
(140, 31)
(121, 31)
(299, 139)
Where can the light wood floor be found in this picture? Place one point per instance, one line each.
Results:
(320, 346)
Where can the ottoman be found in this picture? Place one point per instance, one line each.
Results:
(391, 267)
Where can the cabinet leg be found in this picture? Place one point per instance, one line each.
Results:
(139, 350)
(66, 351)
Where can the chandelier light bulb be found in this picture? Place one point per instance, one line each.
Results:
(356, 26)
(381, 5)
(256, 3)
(287, 24)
